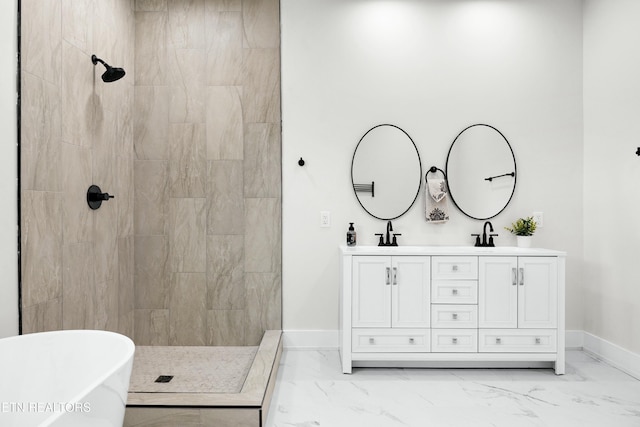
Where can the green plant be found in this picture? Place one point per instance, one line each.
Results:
(523, 227)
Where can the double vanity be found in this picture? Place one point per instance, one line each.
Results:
(437, 306)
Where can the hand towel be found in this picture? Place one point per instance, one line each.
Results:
(437, 205)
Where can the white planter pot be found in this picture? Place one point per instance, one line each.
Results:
(524, 241)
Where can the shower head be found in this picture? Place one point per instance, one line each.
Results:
(112, 74)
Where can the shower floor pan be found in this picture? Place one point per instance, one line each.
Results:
(203, 386)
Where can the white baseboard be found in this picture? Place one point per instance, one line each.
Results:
(602, 349)
(574, 340)
(613, 354)
(311, 339)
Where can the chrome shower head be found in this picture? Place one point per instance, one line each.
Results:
(112, 74)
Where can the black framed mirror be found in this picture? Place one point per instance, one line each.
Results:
(386, 172)
(481, 171)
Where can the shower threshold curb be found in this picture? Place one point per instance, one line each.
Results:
(249, 405)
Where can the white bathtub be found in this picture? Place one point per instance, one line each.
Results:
(65, 379)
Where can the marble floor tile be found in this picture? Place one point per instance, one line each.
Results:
(311, 391)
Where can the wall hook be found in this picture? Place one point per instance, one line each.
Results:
(301, 162)
(638, 151)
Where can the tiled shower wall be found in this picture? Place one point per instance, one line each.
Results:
(200, 131)
(77, 264)
(207, 171)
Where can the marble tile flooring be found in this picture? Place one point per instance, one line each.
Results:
(311, 391)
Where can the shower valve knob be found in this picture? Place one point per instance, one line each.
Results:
(95, 197)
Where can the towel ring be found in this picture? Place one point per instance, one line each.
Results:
(434, 169)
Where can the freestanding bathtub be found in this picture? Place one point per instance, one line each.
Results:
(65, 379)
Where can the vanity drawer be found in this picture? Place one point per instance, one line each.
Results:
(454, 291)
(454, 267)
(454, 316)
(517, 340)
(454, 340)
(390, 340)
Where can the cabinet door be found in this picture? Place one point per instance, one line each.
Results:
(498, 292)
(371, 292)
(537, 292)
(410, 292)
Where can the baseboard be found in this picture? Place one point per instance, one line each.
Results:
(574, 340)
(602, 349)
(311, 339)
(613, 354)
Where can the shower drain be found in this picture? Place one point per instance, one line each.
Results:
(164, 378)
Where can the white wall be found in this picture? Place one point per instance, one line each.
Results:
(432, 68)
(8, 172)
(612, 171)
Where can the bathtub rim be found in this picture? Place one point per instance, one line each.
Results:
(99, 379)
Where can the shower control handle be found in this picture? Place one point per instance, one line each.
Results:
(95, 197)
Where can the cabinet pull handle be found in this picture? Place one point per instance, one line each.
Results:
(411, 340)
(372, 341)
(454, 340)
(521, 276)
(537, 340)
(388, 278)
(454, 316)
(514, 276)
(454, 292)
(395, 275)
(454, 267)
(498, 340)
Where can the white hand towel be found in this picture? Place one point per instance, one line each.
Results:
(437, 206)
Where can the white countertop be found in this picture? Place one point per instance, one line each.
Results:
(449, 251)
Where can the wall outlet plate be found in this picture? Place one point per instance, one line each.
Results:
(325, 219)
(538, 217)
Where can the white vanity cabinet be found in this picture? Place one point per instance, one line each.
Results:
(390, 308)
(451, 306)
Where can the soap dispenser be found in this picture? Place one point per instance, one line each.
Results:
(351, 235)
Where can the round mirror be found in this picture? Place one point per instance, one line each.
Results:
(386, 172)
(481, 171)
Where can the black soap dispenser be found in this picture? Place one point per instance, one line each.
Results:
(351, 235)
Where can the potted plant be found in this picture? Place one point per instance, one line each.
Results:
(523, 228)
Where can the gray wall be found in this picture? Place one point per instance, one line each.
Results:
(77, 264)
(197, 139)
(207, 172)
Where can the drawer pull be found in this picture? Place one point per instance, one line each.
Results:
(454, 340)
(372, 341)
(498, 340)
(537, 340)
(454, 292)
(454, 316)
(454, 268)
(411, 341)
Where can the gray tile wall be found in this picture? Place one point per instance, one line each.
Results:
(192, 131)
(77, 264)
(207, 171)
